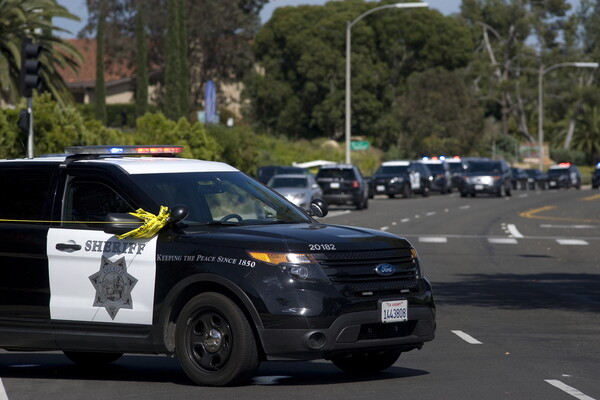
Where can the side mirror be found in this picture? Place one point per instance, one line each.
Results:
(178, 213)
(118, 224)
(318, 208)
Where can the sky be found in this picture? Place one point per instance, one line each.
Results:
(79, 8)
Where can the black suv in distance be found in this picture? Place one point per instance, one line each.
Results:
(401, 177)
(226, 274)
(564, 175)
(486, 176)
(343, 184)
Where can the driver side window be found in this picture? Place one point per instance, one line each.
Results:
(88, 201)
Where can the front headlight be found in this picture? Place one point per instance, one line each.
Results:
(301, 266)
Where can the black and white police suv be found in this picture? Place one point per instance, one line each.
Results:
(103, 254)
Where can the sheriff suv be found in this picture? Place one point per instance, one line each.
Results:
(103, 254)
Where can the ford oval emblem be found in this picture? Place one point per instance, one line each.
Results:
(385, 269)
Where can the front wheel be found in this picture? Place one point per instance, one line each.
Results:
(214, 342)
(366, 362)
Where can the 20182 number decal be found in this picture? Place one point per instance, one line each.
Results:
(322, 246)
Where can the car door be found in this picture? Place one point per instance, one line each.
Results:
(94, 276)
(25, 208)
(415, 177)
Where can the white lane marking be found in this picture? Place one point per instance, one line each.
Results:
(514, 231)
(466, 337)
(568, 389)
(522, 196)
(568, 226)
(464, 207)
(430, 213)
(3, 395)
(572, 242)
(502, 240)
(384, 228)
(268, 380)
(433, 239)
(405, 220)
(337, 213)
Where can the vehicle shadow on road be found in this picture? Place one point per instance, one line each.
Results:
(160, 369)
(564, 291)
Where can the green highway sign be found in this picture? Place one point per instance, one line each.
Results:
(359, 145)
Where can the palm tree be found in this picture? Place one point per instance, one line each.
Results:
(587, 137)
(20, 19)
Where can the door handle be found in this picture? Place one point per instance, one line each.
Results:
(68, 247)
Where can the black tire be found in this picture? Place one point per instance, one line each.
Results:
(463, 194)
(366, 362)
(391, 195)
(214, 342)
(405, 191)
(92, 359)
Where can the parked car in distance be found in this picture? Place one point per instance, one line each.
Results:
(402, 177)
(440, 170)
(343, 184)
(263, 174)
(300, 189)
(596, 177)
(486, 176)
(519, 178)
(564, 175)
(536, 179)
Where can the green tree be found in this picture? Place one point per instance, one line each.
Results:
(173, 62)
(438, 115)
(299, 87)
(100, 87)
(141, 61)
(33, 19)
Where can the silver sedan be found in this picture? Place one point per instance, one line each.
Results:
(300, 189)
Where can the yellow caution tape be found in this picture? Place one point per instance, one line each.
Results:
(153, 224)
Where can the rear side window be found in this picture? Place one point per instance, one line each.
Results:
(26, 193)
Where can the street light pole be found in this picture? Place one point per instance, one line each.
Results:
(349, 26)
(541, 74)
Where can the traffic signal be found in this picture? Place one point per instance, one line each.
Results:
(30, 67)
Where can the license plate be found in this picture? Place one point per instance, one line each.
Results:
(552, 183)
(478, 187)
(394, 311)
(334, 185)
(380, 188)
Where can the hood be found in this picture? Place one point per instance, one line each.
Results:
(295, 237)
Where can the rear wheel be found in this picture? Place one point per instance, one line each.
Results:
(214, 342)
(92, 359)
(366, 362)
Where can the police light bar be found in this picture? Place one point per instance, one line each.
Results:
(125, 150)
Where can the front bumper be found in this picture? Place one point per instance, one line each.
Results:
(351, 332)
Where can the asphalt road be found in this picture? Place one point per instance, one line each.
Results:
(517, 285)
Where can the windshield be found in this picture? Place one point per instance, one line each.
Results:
(277, 183)
(389, 170)
(336, 173)
(484, 166)
(558, 171)
(436, 168)
(455, 166)
(220, 198)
